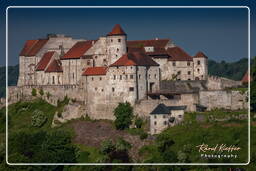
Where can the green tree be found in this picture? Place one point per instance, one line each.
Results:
(124, 114)
(33, 92)
(138, 122)
(41, 92)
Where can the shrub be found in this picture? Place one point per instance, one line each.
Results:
(107, 147)
(41, 92)
(33, 92)
(138, 122)
(38, 118)
(48, 95)
(124, 114)
(143, 135)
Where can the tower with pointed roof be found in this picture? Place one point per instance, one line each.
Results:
(200, 61)
(116, 44)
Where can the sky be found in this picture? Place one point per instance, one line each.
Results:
(222, 34)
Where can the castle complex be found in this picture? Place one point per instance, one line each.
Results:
(104, 72)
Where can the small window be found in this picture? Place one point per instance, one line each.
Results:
(173, 64)
(117, 50)
(198, 70)
(96, 88)
(100, 78)
(113, 89)
(53, 81)
(111, 40)
(114, 77)
(102, 90)
(188, 63)
(104, 60)
(149, 75)
(96, 57)
(198, 62)
(179, 72)
(155, 123)
(139, 76)
(165, 123)
(120, 77)
(92, 78)
(131, 89)
(131, 76)
(155, 116)
(88, 62)
(189, 72)
(180, 116)
(119, 40)
(73, 75)
(131, 67)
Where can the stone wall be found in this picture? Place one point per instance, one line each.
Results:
(219, 83)
(233, 100)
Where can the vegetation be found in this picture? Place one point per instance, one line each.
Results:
(41, 92)
(33, 92)
(138, 122)
(38, 118)
(253, 86)
(124, 114)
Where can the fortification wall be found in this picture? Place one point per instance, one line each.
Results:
(233, 100)
(219, 83)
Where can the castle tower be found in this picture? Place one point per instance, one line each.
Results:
(200, 61)
(116, 44)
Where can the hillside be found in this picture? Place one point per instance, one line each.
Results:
(232, 70)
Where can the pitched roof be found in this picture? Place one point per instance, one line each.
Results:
(178, 54)
(44, 61)
(54, 66)
(117, 30)
(78, 50)
(246, 78)
(157, 43)
(32, 47)
(135, 59)
(95, 71)
(200, 55)
(27, 47)
(163, 109)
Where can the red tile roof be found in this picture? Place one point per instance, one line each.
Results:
(95, 71)
(200, 55)
(159, 43)
(37, 47)
(117, 30)
(54, 66)
(78, 50)
(178, 54)
(44, 61)
(246, 78)
(135, 59)
(28, 46)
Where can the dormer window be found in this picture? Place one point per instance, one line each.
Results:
(149, 48)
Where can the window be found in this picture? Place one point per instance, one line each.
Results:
(180, 116)
(198, 62)
(96, 88)
(58, 79)
(131, 89)
(198, 70)
(96, 57)
(165, 123)
(53, 81)
(155, 123)
(155, 116)
(131, 76)
(188, 63)
(73, 75)
(139, 76)
(119, 40)
(120, 77)
(100, 78)
(102, 90)
(179, 72)
(92, 78)
(117, 50)
(88, 62)
(163, 116)
(114, 77)
(111, 40)
(173, 64)
(113, 89)
(104, 60)
(189, 72)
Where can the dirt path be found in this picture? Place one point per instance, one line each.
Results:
(93, 133)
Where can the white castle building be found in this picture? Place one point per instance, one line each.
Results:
(108, 70)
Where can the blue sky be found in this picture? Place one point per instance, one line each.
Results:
(220, 33)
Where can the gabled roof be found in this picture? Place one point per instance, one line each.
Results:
(78, 50)
(95, 71)
(44, 61)
(163, 109)
(200, 55)
(157, 43)
(178, 54)
(54, 66)
(135, 59)
(32, 47)
(28, 46)
(117, 30)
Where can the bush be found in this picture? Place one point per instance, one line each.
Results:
(48, 95)
(41, 92)
(138, 122)
(124, 114)
(33, 92)
(38, 118)
(143, 135)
